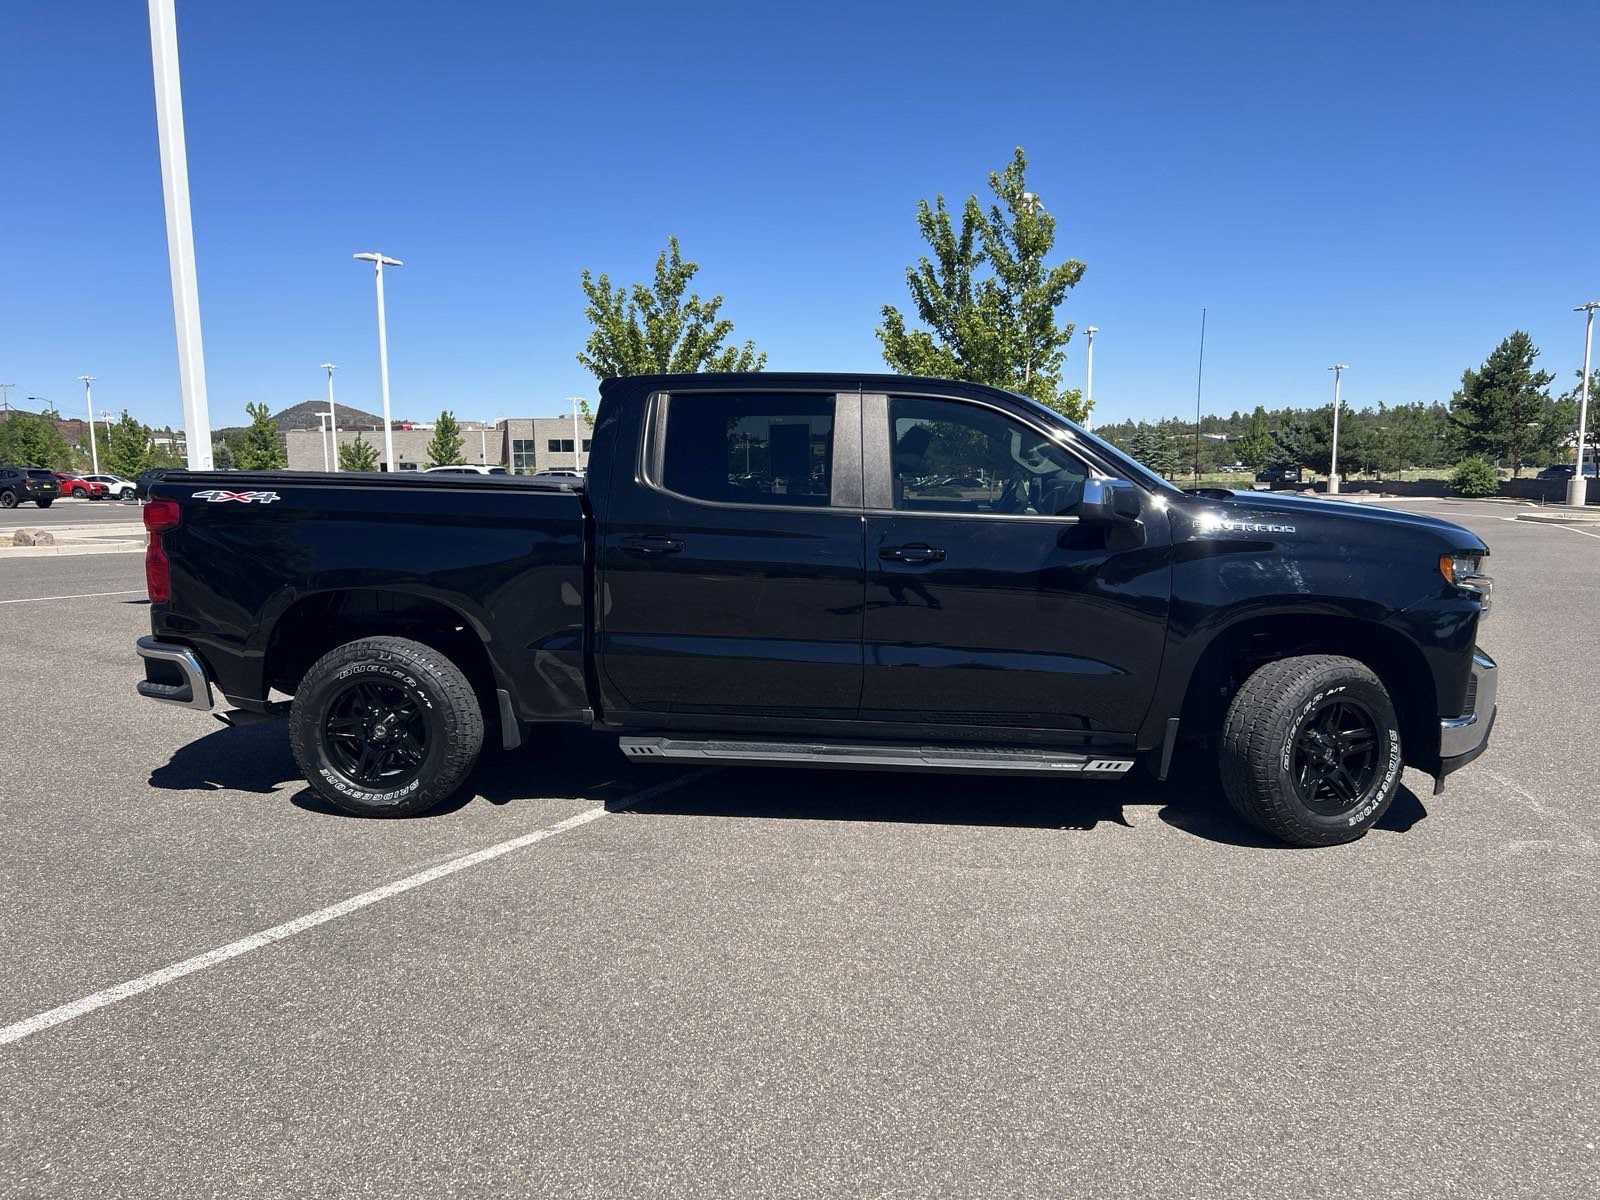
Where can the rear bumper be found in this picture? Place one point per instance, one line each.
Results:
(1463, 738)
(173, 674)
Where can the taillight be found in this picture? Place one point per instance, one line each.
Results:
(159, 516)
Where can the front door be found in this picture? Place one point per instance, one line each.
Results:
(731, 564)
(988, 606)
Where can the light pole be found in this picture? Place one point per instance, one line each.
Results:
(1088, 382)
(577, 435)
(322, 436)
(379, 262)
(5, 395)
(180, 232)
(1338, 369)
(88, 400)
(1578, 486)
(333, 414)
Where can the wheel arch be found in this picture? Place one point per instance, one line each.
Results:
(1240, 648)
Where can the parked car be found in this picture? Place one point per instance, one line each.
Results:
(1078, 618)
(572, 473)
(77, 485)
(1279, 475)
(116, 486)
(21, 484)
(464, 469)
(1564, 471)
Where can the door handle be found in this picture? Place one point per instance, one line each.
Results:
(914, 553)
(654, 544)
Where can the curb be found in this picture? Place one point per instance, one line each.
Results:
(1539, 518)
(72, 548)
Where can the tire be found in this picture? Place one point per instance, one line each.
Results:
(1311, 750)
(45, 503)
(8, 499)
(432, 727)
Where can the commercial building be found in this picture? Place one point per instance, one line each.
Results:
(522, 445)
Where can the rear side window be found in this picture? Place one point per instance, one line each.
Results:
(43, 475)
(750, 448)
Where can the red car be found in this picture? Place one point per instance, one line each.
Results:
(77, 485)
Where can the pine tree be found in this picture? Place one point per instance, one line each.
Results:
(1503, 409)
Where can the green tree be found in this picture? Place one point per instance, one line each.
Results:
(1503, 409)
(359, 455)
(1570, 403)
(30, 441)
(444, 449)
(222, 455)
(261, 448)
(1256, 447)
(646, 330)
(127, 448)
(988, 299)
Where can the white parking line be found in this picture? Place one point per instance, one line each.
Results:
(1568, 528)
(79, 596)
(256, 941)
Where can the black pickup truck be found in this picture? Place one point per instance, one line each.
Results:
(828, 570)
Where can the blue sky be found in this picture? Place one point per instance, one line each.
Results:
(1394, 186)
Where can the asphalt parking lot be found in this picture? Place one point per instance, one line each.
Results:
(763, 983)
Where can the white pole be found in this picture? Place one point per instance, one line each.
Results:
(1333, 465)
(577, 436)
(333, 415)
(322, 436)
(180, 232)
(483, 445)
(378, 262)
(88, 400)
(1578, 486)
(1088, 383)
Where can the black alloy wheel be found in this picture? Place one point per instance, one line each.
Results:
(375, 734)
(1335, 756)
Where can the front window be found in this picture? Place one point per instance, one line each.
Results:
(951, 457)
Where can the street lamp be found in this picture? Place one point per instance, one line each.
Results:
(333, 414)
(1338, 369)
(88, 400)
(1578, 486)
(105, 415)
(1088, 383)
(379, 262)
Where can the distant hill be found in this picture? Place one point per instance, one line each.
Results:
(304, 416)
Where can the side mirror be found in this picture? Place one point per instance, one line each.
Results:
(1109, 502)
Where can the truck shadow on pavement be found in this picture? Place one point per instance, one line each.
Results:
(584, 765)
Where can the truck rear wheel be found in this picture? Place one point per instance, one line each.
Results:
(385, 727)
(1311, 750)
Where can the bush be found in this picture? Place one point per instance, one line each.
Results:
(1475, 477)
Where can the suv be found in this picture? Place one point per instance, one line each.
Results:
(464, 469)
(118, 487)
(77, 485)
(28, 483)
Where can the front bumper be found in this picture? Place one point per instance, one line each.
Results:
(173, 674)
(1463, 738)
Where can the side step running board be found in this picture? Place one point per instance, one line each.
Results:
(1009, 760)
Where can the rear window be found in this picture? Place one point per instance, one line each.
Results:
(46, 476)
(750, 448)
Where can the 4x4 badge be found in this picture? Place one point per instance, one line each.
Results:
(217, 496)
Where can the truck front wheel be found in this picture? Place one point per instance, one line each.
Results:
(1311, 750)
(385, 727)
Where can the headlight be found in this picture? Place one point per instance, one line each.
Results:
(1463, 571)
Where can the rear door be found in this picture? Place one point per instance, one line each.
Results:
(988, 606)
(731, 562)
